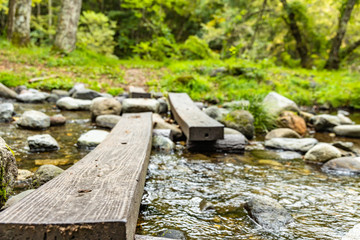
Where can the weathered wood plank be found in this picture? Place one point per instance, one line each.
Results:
(138, 92)
(196, 125)
(97, 198)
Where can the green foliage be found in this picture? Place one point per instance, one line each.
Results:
(3, 186)
(41, 31)
(115, 91)
(196, 48)
(159, 48)
(96, 33)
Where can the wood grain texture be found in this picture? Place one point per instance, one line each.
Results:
(97, 198)
(138, 92)
(196, 125)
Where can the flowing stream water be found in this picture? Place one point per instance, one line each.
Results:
(203, 194)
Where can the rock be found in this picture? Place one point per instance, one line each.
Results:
(348, 131)
(107, 121)
(322, 153)
(162, 143)
(19, 89)
(275, 104)
(343, 166)
(9, 169)
(32, 96)
(69, 103)
(237, 104)
(60, 93)
(216, 113)
(52, 98)
(17, 198)
(231, 131)
(282, 133)
(291, 120)
(292, 144)
(104, 106)
(268, 213)
(136, 105)
(218, 71)
(325, 122)
(344, 120)
(76, 87)
(353, 234)
(156, 95)
(160, 123)
(163, 107)
(343, 112)
(172, 234)
(276, 155)
(232, 143)
(242, 121)
(92, 138)
(23, 180)
(34, 120)
(45, 173)
(24, 174)
(200, 105)
(6, 92)
(57, 120)
(6, 112)
(162, 132)
(346, 146)
(306, 116)
(42, 143)
(86, 94)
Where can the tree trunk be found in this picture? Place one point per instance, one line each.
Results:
(334, 59)
(301, 47)
(257, 24)
(65, 38)
(18, 28)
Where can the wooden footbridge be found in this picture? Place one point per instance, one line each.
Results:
(99, 197)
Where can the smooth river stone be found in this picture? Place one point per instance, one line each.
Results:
(293, 144)
(348, 131)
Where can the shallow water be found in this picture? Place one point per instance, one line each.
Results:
(323, 206)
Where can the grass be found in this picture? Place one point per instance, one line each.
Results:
(239, 78)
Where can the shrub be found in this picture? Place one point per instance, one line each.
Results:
(96, 33)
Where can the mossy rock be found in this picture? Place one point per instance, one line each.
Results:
(241, 120)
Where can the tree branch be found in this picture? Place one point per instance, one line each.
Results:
(347, 51)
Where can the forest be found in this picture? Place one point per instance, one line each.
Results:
(308, 47)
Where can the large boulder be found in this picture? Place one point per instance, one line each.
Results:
(34, 120)
(292, 144)
(107, 121)
(348, 131)
(42, 143)
(325, 122)
(104, 106)
(343, 166)
(32, 96)
(282, 133)
(291, 120)
(136, 105)
(45, 173)
(91, 138)
(275, 104)
(216, 113)
(6, 112)
(268, 213)
(6, 92)
(322, 153)
(353, 234)
(69, 103)
(241, 120)
(86, 94)
(9, 170)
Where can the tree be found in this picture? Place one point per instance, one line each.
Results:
(301, 47)
(335, 56)
(18, 27)
(65, 38)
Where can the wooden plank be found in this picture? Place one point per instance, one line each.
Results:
(138, 92)
(97, 198)
(196, 125)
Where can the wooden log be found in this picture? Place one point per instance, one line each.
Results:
(196, 125)
(138, 92)
(97, 198)
(232, 143)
